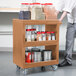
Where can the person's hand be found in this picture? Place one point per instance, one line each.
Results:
(60, 19)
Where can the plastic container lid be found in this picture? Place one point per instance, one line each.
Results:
(35, 50)
(43, 4)
(48, 32)
(25, 3)
(46, 50)
(43, 32)
(36, 3)
(28, 50)
(38, 32)
(48, 3)
(28, 29)
(33, 29)
(52, 32)
(31, 4)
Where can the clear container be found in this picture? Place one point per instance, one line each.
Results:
(39, 36)
(48, 36)
(37, 54)
(50, 11)
(33, 34)
(53, 35)
(36, 11)
(25, 12)
(28, 35)
(43, 36)
(25, 6)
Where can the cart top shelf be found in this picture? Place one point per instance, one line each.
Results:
(33, 22)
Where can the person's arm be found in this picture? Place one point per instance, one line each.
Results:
(63, 15)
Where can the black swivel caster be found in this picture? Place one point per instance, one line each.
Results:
(18, 68)
(42, 68)
(54, 67)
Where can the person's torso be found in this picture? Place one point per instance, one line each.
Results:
(72, 16)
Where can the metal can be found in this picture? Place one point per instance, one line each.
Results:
(37, 54)
(46, 55)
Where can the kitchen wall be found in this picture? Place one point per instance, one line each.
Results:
(6, 28)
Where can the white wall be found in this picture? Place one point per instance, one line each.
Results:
(6, 28)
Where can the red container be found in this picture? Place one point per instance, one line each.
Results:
(29, 56)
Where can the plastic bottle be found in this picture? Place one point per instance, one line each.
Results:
(53, 35)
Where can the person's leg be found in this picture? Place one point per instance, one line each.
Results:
(69, 42)
(69, 45)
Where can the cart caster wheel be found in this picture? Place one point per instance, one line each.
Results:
(18, 68)
(54, 67)
(42, 68)
(25, 71)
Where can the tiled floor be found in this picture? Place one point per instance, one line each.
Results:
(7, 68)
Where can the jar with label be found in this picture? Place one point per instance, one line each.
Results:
(33, 34)
(39, 36)
(25, 12)
(43, 36)
(48, 36)
(28, 35)
(37, 54)
(53, 35)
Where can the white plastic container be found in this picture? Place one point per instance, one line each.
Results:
(48, 36)
(43, 36)
(39, 36)
(28, 35)
(33, 34)
(53, 35)
(35, 9)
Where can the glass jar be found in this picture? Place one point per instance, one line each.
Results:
(39, 36)
(28, 35)
(25, 12)
(43, 36)
(48, 36)
(33, 34)
(53, 35)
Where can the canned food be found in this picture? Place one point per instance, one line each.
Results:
(46, 55)
(37, 54)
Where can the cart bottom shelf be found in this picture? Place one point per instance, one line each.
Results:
(39, 64)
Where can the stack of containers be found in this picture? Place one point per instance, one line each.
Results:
(37, 14)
